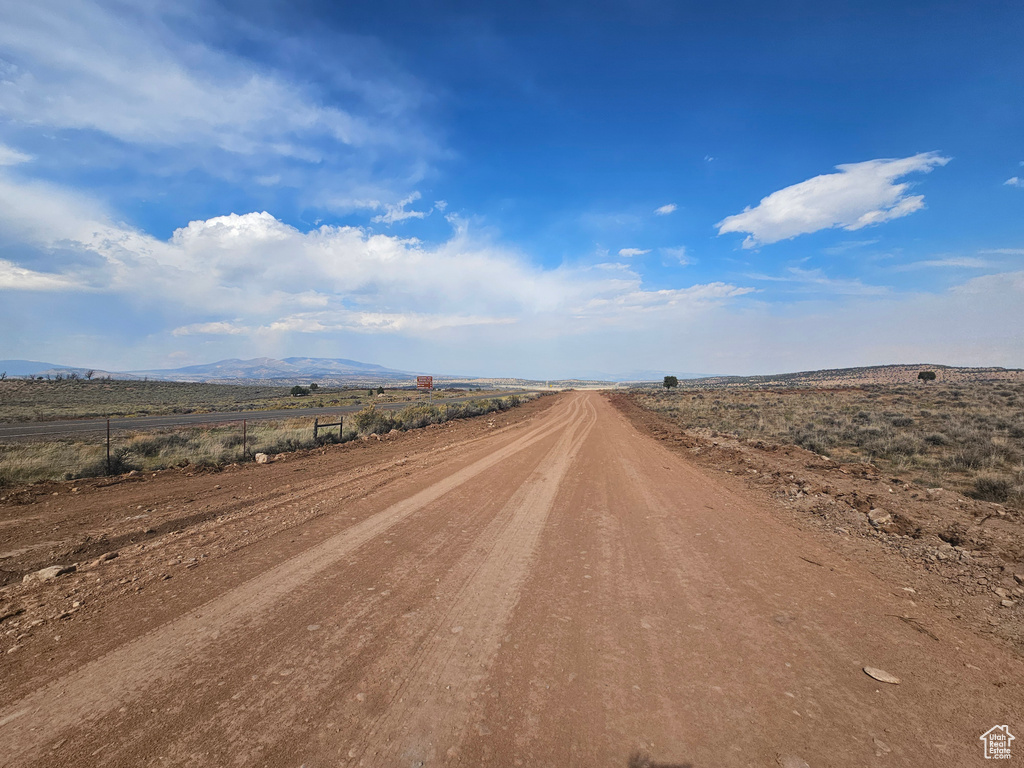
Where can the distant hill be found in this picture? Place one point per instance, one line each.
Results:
(30, 367)
(875, 374)
(289, 370)
(292, 370)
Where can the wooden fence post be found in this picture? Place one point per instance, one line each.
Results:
(341, 427)
(108, 446)
(316, 427)
(244, 440)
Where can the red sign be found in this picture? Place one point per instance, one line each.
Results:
(424, 382)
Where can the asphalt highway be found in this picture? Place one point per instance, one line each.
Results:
(28, 430)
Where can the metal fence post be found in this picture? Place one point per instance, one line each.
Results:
(108, 446)
(244, 440)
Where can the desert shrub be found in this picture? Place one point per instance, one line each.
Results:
(813, 440)
(902, 421)
(936, 438)
(991, 488)
(417, 416)
(370, 420)
(121, 461)
(149, 447)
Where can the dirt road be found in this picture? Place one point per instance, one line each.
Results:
(551, 589)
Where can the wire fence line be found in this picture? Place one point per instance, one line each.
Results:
(116, 446)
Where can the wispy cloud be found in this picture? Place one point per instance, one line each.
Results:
(220, 328)
(397, 212)
(815, 280)
(847, 245)
(629, 253)
(11, 156)
(665, 210)
(956, 262)
(1014, 181)
(678, 255)
(15, 278)
(860, 195)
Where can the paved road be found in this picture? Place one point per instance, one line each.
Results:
(553, 592)
(27, 430)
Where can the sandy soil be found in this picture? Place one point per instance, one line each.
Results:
(550, 587)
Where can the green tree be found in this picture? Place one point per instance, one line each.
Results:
(298, 391)
(671, 381)
(926, 376)
(380, 390)
(314, 387)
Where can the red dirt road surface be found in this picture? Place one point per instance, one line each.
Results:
(548, 588)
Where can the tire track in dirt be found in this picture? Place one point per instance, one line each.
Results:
(432, 710)
(128, 671)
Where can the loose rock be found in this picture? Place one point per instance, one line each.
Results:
(48, 574)
(262, 458)
(881, 675)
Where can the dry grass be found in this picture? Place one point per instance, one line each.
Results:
(212, 445)
(968, 437)
(27, 400)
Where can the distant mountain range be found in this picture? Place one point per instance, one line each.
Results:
(258, 369)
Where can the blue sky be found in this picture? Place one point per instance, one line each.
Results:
(592, 189)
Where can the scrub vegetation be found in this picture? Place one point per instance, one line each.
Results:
(966, 437)
(213, 446)
(49, 400)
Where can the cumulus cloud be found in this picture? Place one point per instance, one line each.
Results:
(860, 195)
(1014, 181)
(665, 210)
(629, 253)
(242, 275)
(397, 212)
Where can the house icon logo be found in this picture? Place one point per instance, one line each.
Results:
(997, 742)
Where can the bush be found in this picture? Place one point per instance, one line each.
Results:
(298, 391)
(121, 461)
(370, 420)
(990, 488)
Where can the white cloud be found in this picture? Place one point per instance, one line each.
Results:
(15, 278)
(11, 156)
(955, 262)
(847, 245)
(1014, 181)
(397, 212)
(816, 281)
(678, 254)
(251, 275)
(860, 195)
(144, 74)
(629, 253)
(440, 205)
(220, 328)
(665, 210)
